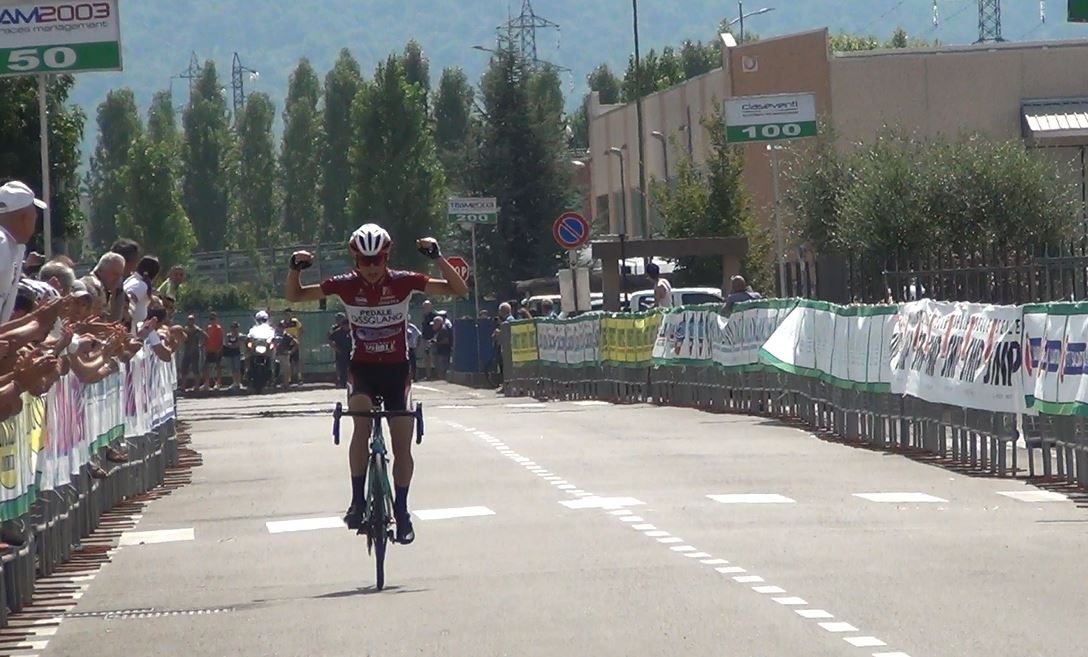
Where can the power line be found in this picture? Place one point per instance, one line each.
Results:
(989, 21)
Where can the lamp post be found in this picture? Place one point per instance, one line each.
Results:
(638, 113)
(618, 152)
(742, 16)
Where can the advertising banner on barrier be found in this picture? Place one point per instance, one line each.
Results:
(736, 340)
(523, 343)
(846, 346)
(628, 340)
(1054, 350)
(960, 354)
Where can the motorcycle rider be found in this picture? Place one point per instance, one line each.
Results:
(261, 330)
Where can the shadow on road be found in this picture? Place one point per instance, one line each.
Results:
(367, 590)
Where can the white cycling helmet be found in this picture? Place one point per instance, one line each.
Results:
(370, 240)
(261, 317)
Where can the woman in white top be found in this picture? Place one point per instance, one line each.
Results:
(138, 289)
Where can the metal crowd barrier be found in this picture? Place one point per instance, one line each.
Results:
(976, 441)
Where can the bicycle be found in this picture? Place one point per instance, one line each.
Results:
(378, 514)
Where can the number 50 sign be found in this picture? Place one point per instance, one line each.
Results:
(770, 118)
(51, 36)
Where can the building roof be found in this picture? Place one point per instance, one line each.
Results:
(1059, 121)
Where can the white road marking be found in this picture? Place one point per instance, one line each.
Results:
(813, 614)
(670, 539)
(631, 519)
(303, 524)
(643, 527)
(156, 536)
(900, 497)
(747, 579)
(531, 405)
(864, 641)
(769, 590)
(890, 654)
(730, 570)
(427, 388)
(583, 493)
(837, 627)
(591, 403)
(752, 498)
(682, 548)
(570, 487)
(553, 478)
(450, 406)
(790, 601)
(1034, 496)
(457, 512)
(696, 555)
(560, 482)
(620, 512)
(594, 502)
(657, 532)
(713, 562)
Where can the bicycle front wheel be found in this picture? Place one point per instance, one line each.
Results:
(379, 514)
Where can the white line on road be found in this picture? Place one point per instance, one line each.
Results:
(837, 627)
(696, 555)
(713, 562)
(1034, 496)
(767, 590)
(670, 540)
(591, 403)
(620, 512)
(900, 497)
(643, 527)
(682, 548)
(157, 536)
(752, 498)
(631, 519)
(594, 502)
(730, 570)
(427, 388)
(457, 512)
(790, 601)
(813, 614)
(303, 524)
(890, 654)
(657, 532)
(864, 641)
(747, 579)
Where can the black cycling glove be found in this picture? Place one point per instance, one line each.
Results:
(434, 253)
(299, 265)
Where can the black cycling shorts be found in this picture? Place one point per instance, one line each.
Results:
(390, 381)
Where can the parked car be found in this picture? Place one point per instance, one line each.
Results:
(681, 296)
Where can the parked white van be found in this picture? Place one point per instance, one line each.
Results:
(681, 296)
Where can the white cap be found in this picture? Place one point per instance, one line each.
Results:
(261, 316)
(15, 195)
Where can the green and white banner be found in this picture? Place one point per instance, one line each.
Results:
(1054, 349)
(51, 36)
(846, 346)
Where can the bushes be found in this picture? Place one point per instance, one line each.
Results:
(202, 297)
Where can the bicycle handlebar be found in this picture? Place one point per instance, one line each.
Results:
(339, 412)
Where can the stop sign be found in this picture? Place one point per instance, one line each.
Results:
(460, 266)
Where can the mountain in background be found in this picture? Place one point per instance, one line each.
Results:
(270, 36)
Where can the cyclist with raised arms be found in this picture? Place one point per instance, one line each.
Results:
(376, 301)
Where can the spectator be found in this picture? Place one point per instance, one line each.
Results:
(18, 221)
(427, 329)
(523, 313)
(414, 334)
(547, 309)
(442, 346)
(740, 292)
(171, 287)
(340, 339)
(286, 345)
(104, 282)
(130, 251)
(190, 354)
(138, 288)
(213, 352)
(293, 326)
(58, 276)
(232, 353)
(484, 315)
(662, 287)
(33, 264)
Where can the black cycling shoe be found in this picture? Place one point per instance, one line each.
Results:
(405, 533)
(354, 517)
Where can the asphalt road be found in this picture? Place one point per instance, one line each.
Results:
(585, 529)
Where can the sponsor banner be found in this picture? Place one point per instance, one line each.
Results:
(575, 342)
(701, 336)
(523, 343)
(960, 354)
(628, 340)
(1054, 349)
(845, 346)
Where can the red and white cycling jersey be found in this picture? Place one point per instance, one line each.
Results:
(378, 312)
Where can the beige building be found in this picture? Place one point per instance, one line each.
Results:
(1032, 91)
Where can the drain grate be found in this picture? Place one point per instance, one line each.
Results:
(149, 612)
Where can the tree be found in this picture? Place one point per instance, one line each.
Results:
(152, 212)
(397, 179)
(520, 162)
(453, 123)
(342, 84)
(844, 42)
(256, 192)
(609, 89)
(713, 203)
(300, 154)
(162, 124)
(205, 158)
(417, 70)
(119, 127)
(697, 58)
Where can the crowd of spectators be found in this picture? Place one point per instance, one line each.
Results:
(53, 324)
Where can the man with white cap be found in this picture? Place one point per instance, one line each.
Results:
(18, 221)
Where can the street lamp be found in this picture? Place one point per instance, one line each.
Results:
(618, 152)
(742, 16)
(658, 135)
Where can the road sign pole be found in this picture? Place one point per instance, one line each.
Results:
(476, 270)
(779, 237)
(43, 125)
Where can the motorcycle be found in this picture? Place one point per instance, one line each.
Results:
(261, 363)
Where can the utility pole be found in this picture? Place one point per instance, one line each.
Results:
(989, 21)
(237, 83)
(641, 147)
